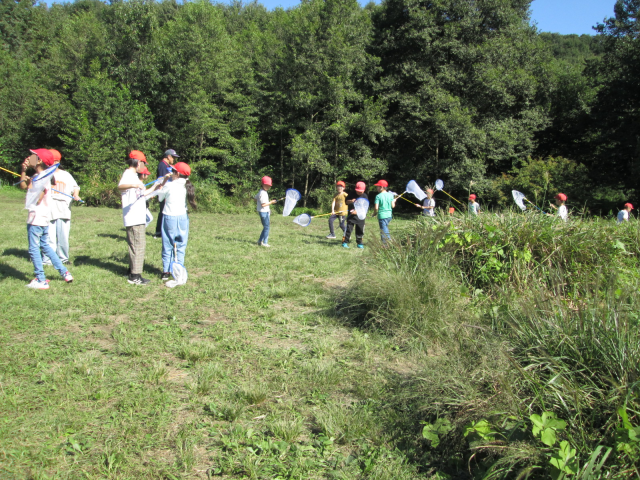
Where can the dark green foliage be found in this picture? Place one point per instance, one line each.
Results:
(328, 90)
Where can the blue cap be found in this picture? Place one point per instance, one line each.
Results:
(171, 152)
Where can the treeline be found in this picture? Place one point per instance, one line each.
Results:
(466, 91)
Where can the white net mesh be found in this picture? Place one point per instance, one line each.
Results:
(304, 219)
(38, 184)
(361, 207)
(291, 198)
(414, 189)
(519, 199)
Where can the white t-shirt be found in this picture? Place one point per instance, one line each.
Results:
(429, 202)
(134, 206)
(262, 197)
(623, 216)
(174, 195)
(474, 207)
(65, 183)
(563, 212)
(39, 213)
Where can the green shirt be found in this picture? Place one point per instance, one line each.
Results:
(384, 201)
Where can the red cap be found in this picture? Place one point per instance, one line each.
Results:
(340, 183)
(382, 183)
(45, 155)
(628, 205)
(138, 155)
(182, 168)
(56, 155)
(144, 171)
(429, 191)
(562, 197)
(361, 187)
(472, 196)
(267, 181)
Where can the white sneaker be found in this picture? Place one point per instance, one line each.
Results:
(38, 285)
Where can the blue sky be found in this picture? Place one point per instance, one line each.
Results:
(558, 16)
(570, 16)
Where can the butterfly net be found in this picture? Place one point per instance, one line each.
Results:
(415, 190)
(361, 207)
(291, 198)
(303, 219)
(38, 184)
(519, 199)
(178, 272)
(439, 184)
(148, 218)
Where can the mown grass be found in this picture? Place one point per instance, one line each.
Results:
(245, 372)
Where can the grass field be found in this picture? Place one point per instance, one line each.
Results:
(245, 372)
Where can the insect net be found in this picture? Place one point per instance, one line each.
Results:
(519, 199)
(415, 190)
(304, 219)
(361, 207)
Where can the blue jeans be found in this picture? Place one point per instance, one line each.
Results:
(175, 230)
(384, 228)
(264, 236)
(39, 244)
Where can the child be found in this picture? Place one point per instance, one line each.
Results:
(428, 204)
(560, 199)
(385, 203)
(352, 218)
(164, 168)
(623, 215)
(474, 207)
(338, 210)
(60, 225)
(39, 206)
(134, 209)
(175, 221)
(262, 206)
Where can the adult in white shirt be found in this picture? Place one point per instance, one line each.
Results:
(560, 206)
(175, 221)
(134, 214)
(623, 215)
(60, 225)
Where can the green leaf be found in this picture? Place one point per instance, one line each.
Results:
(548, 437)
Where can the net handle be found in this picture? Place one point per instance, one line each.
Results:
(453, 198)
(534, 204)
(12, 173)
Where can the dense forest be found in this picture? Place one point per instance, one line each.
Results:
(467, 91)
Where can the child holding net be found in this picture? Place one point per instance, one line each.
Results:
(262, 206)
(38, 203)
(353, 220)
(175, 220)
(338, 210)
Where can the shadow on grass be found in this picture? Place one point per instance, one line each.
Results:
(17, 252)
(121, 238)
(9, 271)
(115, 268)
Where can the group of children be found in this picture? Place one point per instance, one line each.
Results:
(49, 218)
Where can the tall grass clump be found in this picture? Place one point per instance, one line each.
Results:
(538, 323)
(408, 288)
